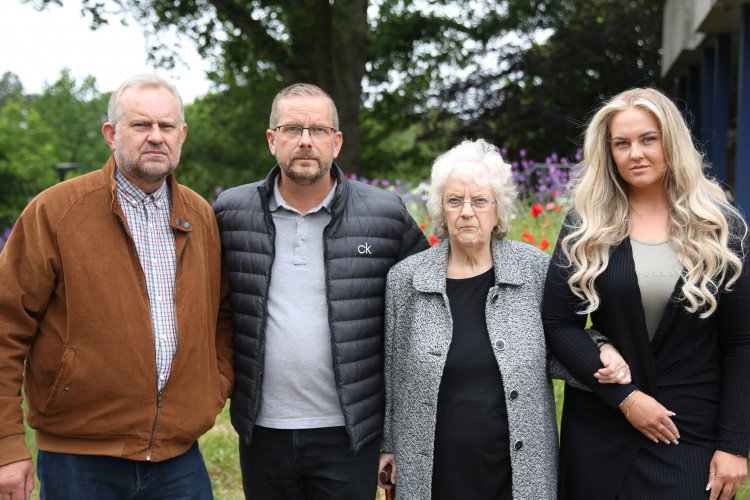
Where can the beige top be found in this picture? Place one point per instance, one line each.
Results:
(658, 271)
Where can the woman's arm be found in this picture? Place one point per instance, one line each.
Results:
(566, 336)
(734, 348)
(615, 369)
(565, 329)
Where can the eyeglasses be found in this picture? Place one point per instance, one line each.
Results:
(477, 204)
(295, 131)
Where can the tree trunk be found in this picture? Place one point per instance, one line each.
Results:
(329, 48)
(351, 34)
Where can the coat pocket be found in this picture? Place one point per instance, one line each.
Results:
(60, 384)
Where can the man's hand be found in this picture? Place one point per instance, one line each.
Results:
(17, 480)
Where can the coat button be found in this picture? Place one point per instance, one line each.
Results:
(500, 345)
(513, 395)
(518, 445)
(494, 297)
(187, 225)
(178, 222)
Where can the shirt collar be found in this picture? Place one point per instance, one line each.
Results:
(277, 201)
(135, 196)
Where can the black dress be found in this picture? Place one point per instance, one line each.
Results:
(471, 456)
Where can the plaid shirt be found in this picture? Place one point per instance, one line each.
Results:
(148, 217)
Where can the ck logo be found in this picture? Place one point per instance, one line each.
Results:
(364, 249)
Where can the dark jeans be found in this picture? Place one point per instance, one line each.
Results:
(64, 476)
(308, 464)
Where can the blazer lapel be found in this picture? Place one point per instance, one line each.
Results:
(669, 317)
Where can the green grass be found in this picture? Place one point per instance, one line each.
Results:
(220, 451)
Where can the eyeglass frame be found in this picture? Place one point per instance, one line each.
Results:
(302, 130)
(470, 202)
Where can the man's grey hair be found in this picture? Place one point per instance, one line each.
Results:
(114, 109)
(301, 89)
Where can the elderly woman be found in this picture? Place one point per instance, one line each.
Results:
(470, 411)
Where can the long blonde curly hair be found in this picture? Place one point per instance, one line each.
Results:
(698, 226)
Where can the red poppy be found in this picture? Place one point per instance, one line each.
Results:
(544, 244)
(423, 226)
(527, 237)
(536, 209)
(558, 208)
(433, 240)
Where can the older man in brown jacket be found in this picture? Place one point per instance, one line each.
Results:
(114, 314)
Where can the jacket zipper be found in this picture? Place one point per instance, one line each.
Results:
(153, 429)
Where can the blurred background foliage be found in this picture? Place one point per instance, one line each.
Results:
(410, 79)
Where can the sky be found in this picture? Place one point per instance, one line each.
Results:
(37, 45)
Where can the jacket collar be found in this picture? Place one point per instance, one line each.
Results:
(180, 219)
(430, 277)
(342, 186)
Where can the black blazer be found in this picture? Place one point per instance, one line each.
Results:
(698, 368)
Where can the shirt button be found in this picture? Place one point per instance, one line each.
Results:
(494, 297)
(518, 445)
(154, 261)
(162, 377)
(513, 395)
(158, 298)
(500, 345)
(301, 242)
(302, 219)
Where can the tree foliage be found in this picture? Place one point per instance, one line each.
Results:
(61, 125)
(396, 44)
(541, 97)
(421, 75)
(226, 141)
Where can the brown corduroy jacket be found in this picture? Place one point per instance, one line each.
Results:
(74, 312)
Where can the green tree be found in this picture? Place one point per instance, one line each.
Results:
(60, 125)
(226, 141)
(543, 95)
(401, 46)
(27, 153)
(10, 86)
(76, 112)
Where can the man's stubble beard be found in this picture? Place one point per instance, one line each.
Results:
(304, 178)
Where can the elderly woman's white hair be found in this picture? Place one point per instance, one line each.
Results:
(496, 172)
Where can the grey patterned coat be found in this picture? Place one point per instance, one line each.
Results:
(418, 330)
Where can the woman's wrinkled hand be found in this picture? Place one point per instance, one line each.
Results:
(725, 473)
(651, 418)
(387, 471)
(616, 370)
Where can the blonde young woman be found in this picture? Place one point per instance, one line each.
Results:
(656, 255)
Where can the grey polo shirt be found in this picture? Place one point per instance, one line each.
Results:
(298, 389)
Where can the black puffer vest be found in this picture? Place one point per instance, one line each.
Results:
(370, 230)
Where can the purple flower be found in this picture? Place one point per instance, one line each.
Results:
(218, 190)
